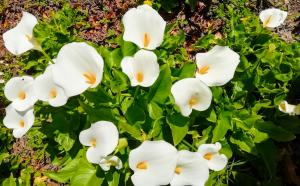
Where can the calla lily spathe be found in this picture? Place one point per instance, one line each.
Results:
(142, 69)
(190, 170)
(78, 67)
(210, 153)
(108, 161)
(20, 91)
(191, 93)
(47, 90)
(287, 108)
(20, 38)
(217, 66)
(272, 17)
(102, 138)
(144, 27)
(20, 122)
(153, 163)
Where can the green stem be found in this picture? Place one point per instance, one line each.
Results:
(189, 145)
(47, 56)
(136, 91)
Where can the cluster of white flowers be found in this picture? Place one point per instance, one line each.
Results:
(145, 28)
(159, 163)
(78, 66)
(214, 68)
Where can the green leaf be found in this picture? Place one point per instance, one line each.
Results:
(275, 132)
(156, 128)
(98, 114)
(179, 126)
(206, 133)
(155, 111)
(244, 64)
(64, 174)
(113, 178)
(85, 175)
(188, 70)
(132, 130)
(268, 151)
(223, 125)
(258, 136)
(128, 48)
(99, 96)
(162, 87)
(212, 179)
(119, 82)
(292, 124)
(3, 156)
(11, 181)
(65, 140)
(244, 142)
(212, 116)
(112, 58)
(135, 114)
(226, 149)
(173, 42)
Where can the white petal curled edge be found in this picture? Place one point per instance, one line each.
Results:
(78, 67)
(191, 93)
(153, 168)
(218, 162)
(190, 170)
(272, 17)
(20, 122)
(217, 66)
(144, 27)
(290, 109)
(20, 91)
(142, 69)
(210, 153)
(108, 161)
(20, 38)
(47, 90)
(102, 137)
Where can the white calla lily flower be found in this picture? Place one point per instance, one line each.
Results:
(78, 67)
(20, 122)
(191, 93)
(47, 90)
(144, 27)
(217, 66)
(210, 153)
(102, 138)
(20, 91)
(272, 17)
(190, 170)
(142, 69)
(153, 163)
(108, 161)
(20, 38)
(287, 108)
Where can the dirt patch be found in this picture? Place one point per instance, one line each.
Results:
(29, 156)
